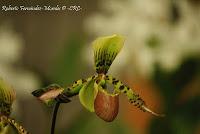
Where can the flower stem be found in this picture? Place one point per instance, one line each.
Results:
(54, 117)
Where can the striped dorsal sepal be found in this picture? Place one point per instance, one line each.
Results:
(105, 50)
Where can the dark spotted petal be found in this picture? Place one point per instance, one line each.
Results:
(20, 129)
(133, 97)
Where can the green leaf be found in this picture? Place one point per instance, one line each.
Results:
(87, 95)
(105, 50)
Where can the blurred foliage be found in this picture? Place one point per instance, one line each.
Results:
(87, 123)
(68, 64)
(153, 41)
(182, 117)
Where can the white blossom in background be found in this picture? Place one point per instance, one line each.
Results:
(11, 49)
(141, 20)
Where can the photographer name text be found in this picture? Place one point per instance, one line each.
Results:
(41, 8)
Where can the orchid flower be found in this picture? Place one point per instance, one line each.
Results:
(7, 96)
(93, 91)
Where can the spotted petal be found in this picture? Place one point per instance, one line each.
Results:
(105, 50)
(7, 120)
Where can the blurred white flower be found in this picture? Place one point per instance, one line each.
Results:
(11, 49)
(150, 35)
(10, 45)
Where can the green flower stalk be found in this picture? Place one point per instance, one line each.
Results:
(7, 96)
(93, 92)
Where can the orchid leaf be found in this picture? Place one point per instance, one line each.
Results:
(87, 95)
(105, 50)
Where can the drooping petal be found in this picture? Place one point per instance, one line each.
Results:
(74, 89)
(87, 95)
(105, 50)
(133, 97)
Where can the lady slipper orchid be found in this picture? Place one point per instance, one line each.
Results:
(93, 92)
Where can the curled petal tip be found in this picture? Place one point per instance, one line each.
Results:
(156, 114)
